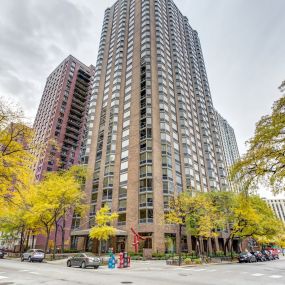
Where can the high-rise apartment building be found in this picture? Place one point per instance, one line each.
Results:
(61, 116)
(152, 129)
(278, 207)
(228, 138)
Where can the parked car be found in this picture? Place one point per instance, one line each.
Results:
(267, 254)
(2, 253)
(84, 260)
(33, 255)
(246, 257)
(274, 252)
(259, 256)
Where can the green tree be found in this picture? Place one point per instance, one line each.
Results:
(252, 217)
(103, 229)
(264, 161)
(224, 203)
(204, 219)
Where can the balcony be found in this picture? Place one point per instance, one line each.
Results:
(77, 131)
(73, 136)
(71, 142)
(77, 106)
(80, 113)
(74, 117)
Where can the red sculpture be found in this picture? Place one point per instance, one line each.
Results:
(137, 239)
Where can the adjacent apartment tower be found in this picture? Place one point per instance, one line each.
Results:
(278, 207)
(152, 128)
(61, 118)
(228, 138)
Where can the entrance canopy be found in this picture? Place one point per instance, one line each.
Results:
(86, 232)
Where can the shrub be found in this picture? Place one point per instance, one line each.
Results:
(187, 261)
(198, 261)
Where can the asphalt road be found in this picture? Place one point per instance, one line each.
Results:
(142, 273)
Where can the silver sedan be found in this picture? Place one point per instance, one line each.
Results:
(84, 260)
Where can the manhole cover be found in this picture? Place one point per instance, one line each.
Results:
(127, 282)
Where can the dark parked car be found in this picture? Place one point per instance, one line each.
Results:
(246, 257)
(267, 254)
(33, 255)
(259, 256)
(84, 260)
(2, 253)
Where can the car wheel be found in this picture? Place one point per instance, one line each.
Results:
(22, 258)
(29, 259)
(68, 263)
(96, 266)
(83, 265)
(40, 260)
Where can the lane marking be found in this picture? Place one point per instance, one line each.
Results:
(23, 270)
(212, 270)
(198, 270)
(275, 276)
(3, 277)
(257, 274)
(36, 273)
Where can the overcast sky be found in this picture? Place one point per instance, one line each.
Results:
(242, 40)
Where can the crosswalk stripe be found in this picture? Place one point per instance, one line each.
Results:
(23, 270)
(3, 277)
(36, 273)
(201, 269)
(257, 274)
(212, 270)
(275, 276)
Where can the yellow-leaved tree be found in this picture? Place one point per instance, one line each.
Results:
(16, 216)
(15, 146)
(57, 195)
(177, 214)
(103, 229)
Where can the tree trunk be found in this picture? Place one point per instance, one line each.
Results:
(226, 245)
(208, 246)
(179, 245)
(198, 250)
(22, 240)
(47, 240)
(55, 240)
(99, 249)
(33, 240)
(27, 240)
(232, 247)
(63, 234)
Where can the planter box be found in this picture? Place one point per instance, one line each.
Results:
(172, 262)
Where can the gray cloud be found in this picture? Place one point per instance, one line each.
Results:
(35, 37)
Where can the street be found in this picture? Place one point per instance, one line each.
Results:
(141, 273)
